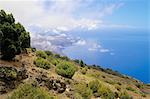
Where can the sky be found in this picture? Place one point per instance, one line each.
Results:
(51, 22)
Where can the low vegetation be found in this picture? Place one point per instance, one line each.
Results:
(94, 85)
(83, 90)
(42, 63)
(66, 69)
(8, 72)
(105, 93)
(28, 91)
(41, 54)
(125, 95)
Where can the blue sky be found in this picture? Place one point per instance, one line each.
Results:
(134, 13)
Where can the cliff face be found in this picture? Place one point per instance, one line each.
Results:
(45, 75)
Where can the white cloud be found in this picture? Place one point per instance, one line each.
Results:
(80, 42)
(98, 47)
(47, 20)
(95, 47)
(109, 9)
(58, 16)
(55, 42)
(62, 15)
(104, 50)
(116, 26)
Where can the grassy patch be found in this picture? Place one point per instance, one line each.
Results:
(105, 93)
(131, 89)
(84, 70)
(94, 85)
(66, 69)
(8, 72)
(52, 60)
(27, 91)
(83, 90)
(125, 95)
(41, 54)
(42, 63)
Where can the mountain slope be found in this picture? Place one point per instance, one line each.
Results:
(87, 81)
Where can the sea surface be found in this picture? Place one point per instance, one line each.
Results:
(129, 51)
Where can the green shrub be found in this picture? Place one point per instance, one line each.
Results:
(41, 54)
(82, 63)
(13, 36)
(94, 85)
(139, 85)
(66, 69)
(33, 49)
(65, 58)
(77, 96)
(42, 63)
(118, 87)
(57, 56)
(48, 53)
(110, 82)
(143, 95)
(83, 90)
(27, 91)
(130, 88)
(84, 70)
(125, 95)
(52, 60)
(119, 83)
(105, 93)
(8, 72)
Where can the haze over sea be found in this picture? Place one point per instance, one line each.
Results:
(129, 51)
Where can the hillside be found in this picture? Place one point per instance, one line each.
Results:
(27, 73)
(22, 76)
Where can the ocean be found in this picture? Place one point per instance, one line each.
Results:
(129, 51)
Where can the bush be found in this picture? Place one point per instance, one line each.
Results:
(119, 83)
(57, 56)
(52, 60)
(48, 53)
(65, 58)
(27, 91)
(66, 69)
(8, 72)
(82, 63)
(77, 96)
(105, 93)
(139, 85)
(84, 70)
(13, 36)
(118, 87)
(110, 82)
(41, 54)
(33, 49)
(94, 85)
(42, 63)
(83, 90)
(125, 95)
(143, 95)
(131, 89)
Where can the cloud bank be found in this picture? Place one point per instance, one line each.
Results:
(49, 20)
(54, 14)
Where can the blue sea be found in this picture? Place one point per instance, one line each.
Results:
(129, 48)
